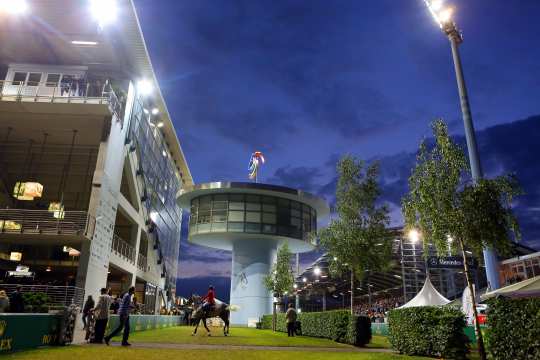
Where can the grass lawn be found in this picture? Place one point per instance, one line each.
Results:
(118, 353)
(237, 336)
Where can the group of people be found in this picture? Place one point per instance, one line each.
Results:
(81, 86)
(13, 303)
(377, 310)
(96, 316)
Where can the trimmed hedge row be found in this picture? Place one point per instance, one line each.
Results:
(428, 331)
(337, 325)
(513, 330)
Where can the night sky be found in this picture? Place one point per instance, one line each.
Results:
(308, 81)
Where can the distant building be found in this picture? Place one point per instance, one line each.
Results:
(90, 164)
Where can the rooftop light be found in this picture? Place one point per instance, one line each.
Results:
(414, 236)
(317, 271)
(160, 124)
(15, 7)
(84, 43)
(144, 87)
(295, 286)
(103, 11)
(155, 111)
(304, 279)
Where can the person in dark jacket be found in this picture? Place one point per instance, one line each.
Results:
(16, 301)
(88, 305)
(290, 317)
(125, 308)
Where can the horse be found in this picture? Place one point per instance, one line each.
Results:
(220, 310)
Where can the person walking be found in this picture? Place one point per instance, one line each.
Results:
(101, 314)
(88, 305)
(4, 302)
(123, 311)
(290, 317)
(16, 301)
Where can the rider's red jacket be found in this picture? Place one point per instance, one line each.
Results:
(210, 297)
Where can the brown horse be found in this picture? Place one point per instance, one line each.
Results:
(220, 310)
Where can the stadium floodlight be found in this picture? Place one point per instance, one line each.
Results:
(144, 87)
(295, 286)
(104, 11)
(317, 271)
(155, 111)
(160, 124)
(304, 279)
(413, 235)
(14, 7)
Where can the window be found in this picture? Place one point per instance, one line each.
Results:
(253, 206)
(269, 208)
(204, 217)
(34, 79)
(254, 217)
(236, 216)
(219, 216)
(235, 227)
(253, 228)
(269, 218)
(269, 229)
(219, 227)
(52, 80)
(19, 78)
(236, 205)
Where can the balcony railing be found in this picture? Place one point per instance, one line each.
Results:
(58, 295)
(54, 93)
(142, 262)
(123, 249)
(21, 221)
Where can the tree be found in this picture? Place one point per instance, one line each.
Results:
(450, 211)
(359, 240)
(280, 280)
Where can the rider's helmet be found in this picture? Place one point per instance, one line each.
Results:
(211, 287)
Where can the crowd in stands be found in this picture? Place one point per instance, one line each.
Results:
(378, 309)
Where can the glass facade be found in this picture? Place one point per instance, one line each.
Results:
(246, 213)
(158, 182)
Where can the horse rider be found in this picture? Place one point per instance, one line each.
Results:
(209, 300)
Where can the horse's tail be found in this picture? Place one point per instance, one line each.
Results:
(233, 307)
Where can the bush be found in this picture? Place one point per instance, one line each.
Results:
(338, 325)
(428, 331)
(513, 330)
(36, 302)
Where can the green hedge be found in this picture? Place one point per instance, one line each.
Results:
(428, 331)
(513, 330)
(337, 325)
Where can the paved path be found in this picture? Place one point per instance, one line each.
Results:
(250, 347)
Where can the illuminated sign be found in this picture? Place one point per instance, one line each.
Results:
(27, 190)
(15, 256)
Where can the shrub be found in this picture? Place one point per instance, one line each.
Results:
(513, 330)
(338, 325)
(36, 302)
(428, 331)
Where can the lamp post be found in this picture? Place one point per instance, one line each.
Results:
(443, 16)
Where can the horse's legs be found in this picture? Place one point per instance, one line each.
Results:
(196, 327)
(225, 319)
(206, 327)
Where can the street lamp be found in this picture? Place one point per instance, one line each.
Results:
(443, 15)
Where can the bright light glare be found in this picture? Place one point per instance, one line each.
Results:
(414, 236)
(153, 216)
(295, 286)
(317, 271)
(335, 258)
(445, 15)
(304, 279)
(155, 111)
(436, 5)
(82, 42)
(144, 87)
(160, 124)
(104, 11)
(15, 7)
(449, 239)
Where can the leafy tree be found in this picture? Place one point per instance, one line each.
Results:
(359, 240)
(450, 211)
(280, 280)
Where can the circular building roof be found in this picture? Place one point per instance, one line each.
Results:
(268, 228)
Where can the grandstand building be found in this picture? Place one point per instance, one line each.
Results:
(90, 164)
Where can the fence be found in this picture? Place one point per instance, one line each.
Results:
(142, 262)
(123, 249)
(61, 93)
(58, 295)
(19, 221)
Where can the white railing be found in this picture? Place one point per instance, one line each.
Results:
(61, 93)
(58, 295)
(142, 262)
(21, 221)
(123, 249)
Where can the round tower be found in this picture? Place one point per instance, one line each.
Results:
(251, 220)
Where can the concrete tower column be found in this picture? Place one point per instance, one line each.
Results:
(251, 262)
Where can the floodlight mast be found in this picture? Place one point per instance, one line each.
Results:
(443, 16)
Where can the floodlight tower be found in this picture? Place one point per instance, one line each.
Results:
(443, 16)
(251, 220)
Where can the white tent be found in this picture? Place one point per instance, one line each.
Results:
(428, 296)
(525, 288)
